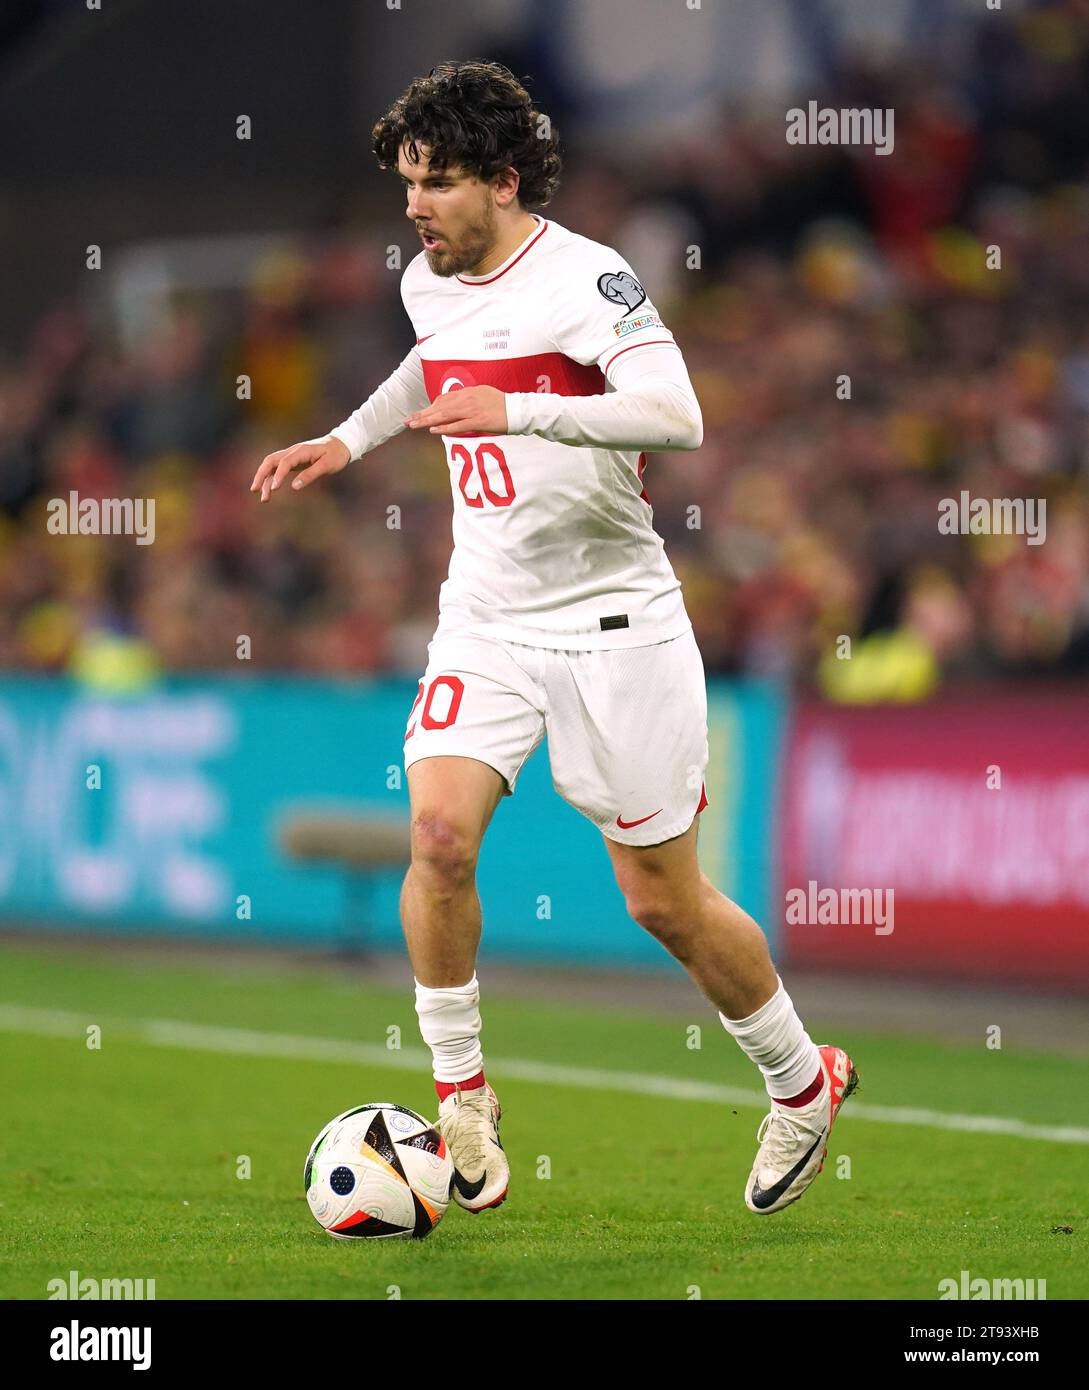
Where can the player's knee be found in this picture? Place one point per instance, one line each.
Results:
(659, 916)
(444, 851)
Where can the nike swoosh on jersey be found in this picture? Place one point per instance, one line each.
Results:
(766, 1197)
(627, 824)
(466, 1188)
(425, 338)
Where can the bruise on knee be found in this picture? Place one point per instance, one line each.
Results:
(442, 848)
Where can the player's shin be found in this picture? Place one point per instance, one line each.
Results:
(450, 1025)
(775, 1038)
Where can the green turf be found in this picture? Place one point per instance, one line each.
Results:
(121, 1162)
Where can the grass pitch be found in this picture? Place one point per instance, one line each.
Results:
(123, 1161)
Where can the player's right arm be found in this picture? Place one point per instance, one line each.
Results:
(599, 315)
(380, 417)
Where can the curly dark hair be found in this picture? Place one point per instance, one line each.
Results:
(476, 116)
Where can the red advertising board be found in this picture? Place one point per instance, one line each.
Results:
(973, 811)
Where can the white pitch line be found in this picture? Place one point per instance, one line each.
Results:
(201, 1037)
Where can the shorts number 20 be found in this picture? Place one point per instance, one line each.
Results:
(456, 687)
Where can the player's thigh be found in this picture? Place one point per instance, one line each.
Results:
(627, 732)
(659, 882)
(476, 719)
(452, 800)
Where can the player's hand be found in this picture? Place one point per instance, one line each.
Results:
(321, 456)
(470, 410)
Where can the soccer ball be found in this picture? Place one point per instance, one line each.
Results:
(377, 1171)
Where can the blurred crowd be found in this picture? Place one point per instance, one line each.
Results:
(867, 336)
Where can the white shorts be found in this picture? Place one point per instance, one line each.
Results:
(627, 727)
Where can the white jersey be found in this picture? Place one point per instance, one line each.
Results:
(554, 544)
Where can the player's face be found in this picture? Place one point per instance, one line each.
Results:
(453, 207)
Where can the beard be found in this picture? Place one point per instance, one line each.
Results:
(473, 245)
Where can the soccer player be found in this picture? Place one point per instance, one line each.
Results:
(549, 375)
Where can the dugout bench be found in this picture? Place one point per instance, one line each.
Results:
(362, 847)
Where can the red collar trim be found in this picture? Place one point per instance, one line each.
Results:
(531, 242)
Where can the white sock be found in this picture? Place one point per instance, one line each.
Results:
(450, 1025)
(774, 1038)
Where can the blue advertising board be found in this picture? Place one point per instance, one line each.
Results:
(160, 812)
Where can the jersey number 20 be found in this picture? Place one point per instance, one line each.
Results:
(487, 450)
